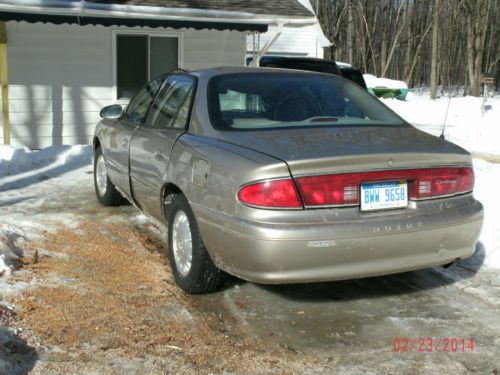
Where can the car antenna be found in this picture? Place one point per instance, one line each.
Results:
(446, 116)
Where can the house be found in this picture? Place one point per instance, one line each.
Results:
(63, 60)
(304, 41)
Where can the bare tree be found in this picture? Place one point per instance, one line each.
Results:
(476, 25)
(392, 38)
(434, 58)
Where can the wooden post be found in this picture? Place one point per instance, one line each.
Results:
(5, 84)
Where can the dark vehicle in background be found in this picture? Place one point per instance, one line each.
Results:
(313, 65)
(353, 74)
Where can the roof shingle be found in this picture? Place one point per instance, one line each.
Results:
(291, 8)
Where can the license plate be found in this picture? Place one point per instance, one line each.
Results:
(384, 195)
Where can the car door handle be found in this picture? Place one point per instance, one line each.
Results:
(158, 155)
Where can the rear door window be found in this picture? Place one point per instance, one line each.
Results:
(138, 107)
(172, 101)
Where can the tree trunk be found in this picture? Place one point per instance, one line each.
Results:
(350, 33)
(476, 26)
(434, 58)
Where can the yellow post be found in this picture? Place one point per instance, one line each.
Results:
(5, 84)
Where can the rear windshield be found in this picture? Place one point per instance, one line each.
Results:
(244, 101)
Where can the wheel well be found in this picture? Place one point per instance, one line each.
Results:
(168, 191)
(96, 144)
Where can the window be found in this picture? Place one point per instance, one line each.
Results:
(138, 107)
(141, 57)
(171, 106)
(245, 101)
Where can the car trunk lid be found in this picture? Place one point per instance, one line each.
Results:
(317, 151)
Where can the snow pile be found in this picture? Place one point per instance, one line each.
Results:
(372, 81)
(343, 64)
(464, 124)
(13, 160)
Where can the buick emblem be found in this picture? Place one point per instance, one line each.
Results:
(389, 163)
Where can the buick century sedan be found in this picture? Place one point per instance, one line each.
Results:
(282, 176)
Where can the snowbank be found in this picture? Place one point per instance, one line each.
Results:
(464, 124)
(13, 160)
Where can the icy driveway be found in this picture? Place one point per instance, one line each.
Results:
(98, 299)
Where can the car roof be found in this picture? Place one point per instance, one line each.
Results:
(266, 59)
(270, 58)
(206, 73)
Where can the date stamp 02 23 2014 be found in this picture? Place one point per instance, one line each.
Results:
(432, 344)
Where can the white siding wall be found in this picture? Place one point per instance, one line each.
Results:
(293, 42)
(60, 76)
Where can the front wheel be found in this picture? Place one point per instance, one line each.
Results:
(191, 264)
(104, 189)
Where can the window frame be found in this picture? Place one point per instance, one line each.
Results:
(150, 33)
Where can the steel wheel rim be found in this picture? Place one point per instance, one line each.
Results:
(101, 176)
(182, 243)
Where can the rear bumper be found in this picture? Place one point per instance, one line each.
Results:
(332, 246)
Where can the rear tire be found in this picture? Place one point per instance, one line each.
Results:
(193, 269)
(105, 190)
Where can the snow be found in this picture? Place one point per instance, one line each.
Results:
(29, 179)
(343, 64)
(486, 189)
(372, 81)
(465, 124)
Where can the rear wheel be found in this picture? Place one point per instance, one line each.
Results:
(192, 266)
(104, 189)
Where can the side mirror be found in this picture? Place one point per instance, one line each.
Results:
(111, 111)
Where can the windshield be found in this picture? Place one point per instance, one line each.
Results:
(244, 101)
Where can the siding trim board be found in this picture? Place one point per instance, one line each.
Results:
(130, 22)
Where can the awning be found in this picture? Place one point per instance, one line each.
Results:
(132, 22)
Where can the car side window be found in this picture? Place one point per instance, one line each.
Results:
(171, 107)
(138, 108)
(183, 115)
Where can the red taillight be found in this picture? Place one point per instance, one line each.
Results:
(274, 193)
(343, 189)
(330, 190)
(430, 183)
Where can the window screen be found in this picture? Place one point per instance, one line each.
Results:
(164, 55)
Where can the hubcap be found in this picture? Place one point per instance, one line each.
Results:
(182, 243)
(101, 175)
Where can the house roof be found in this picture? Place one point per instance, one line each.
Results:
(274, 7)
(240, 15)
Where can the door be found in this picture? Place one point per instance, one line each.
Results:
(117, 151)
(152, 142)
